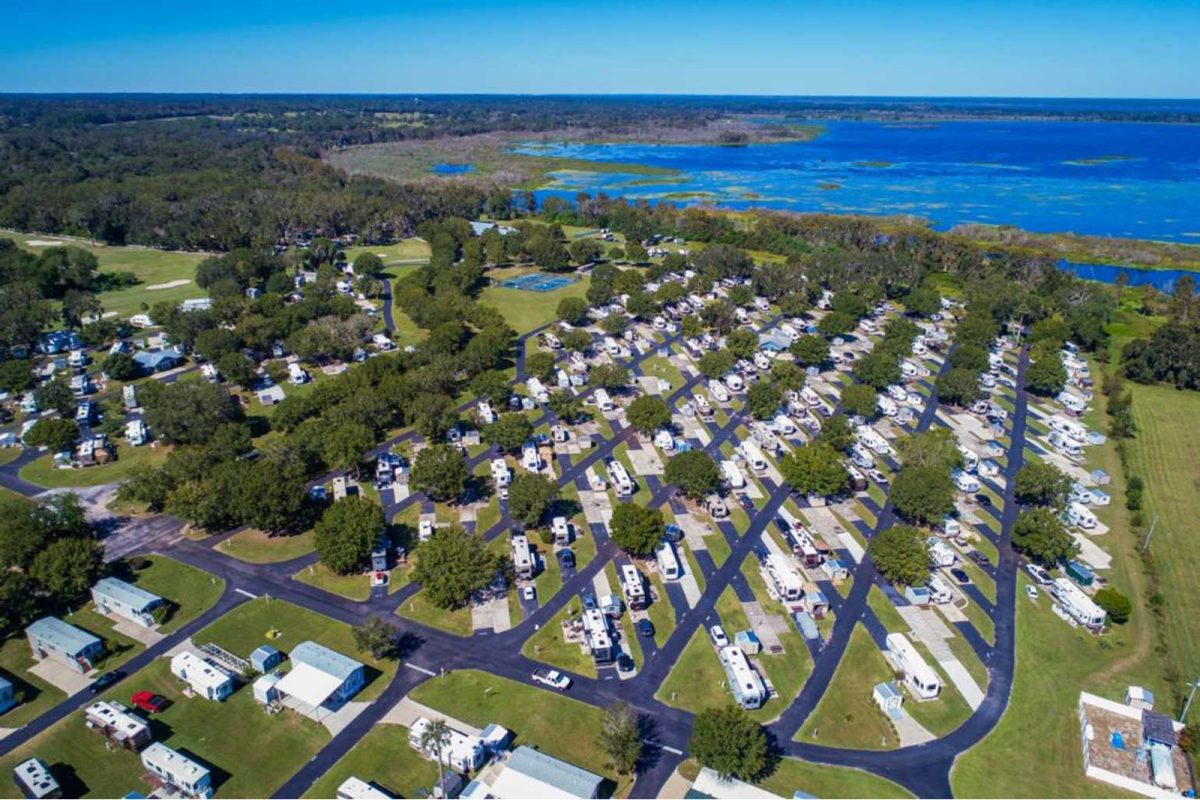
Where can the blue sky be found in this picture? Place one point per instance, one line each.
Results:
(1048, 48)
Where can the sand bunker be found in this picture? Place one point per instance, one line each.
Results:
(44, 243)
(168, 285)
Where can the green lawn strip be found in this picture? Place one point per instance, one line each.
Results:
(983, 582)
(982, 622)
(549, 580)
(418, 608)
(846, 715)
(887, 614)
(661, 612)
(554, 723)
(257, 547)
(822, 780)
(733, 618)
(356, 586)
(948, 711)
(660, 367)
(739, 518)
(547, 645)
(33, 695)
(697, 681)
(718, 546)
(189, 590)
(43, 473)
(384, 757)
(247, 627)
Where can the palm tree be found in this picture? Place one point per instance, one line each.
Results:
(436, 736)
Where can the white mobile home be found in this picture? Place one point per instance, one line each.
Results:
(531, 460)
(1077, 604)
(203, 678)
(460, 751)
(783, 578)
(522, 557)
(668, 562)
(784, 425)
(1081, 515)
(633, 587)
(921, 680)
(619, 477)
(603, 401)
(754, 456)
(113, 596)
(733, 474)
(745, 684)
(177, 770)
(718, 391)
(500, 474)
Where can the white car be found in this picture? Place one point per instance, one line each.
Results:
(529, 593)
(552, 678)
(1031, 592)
(718, 636)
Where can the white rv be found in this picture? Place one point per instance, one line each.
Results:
(296, 375)
(970, 459)
(921, 680)
(862, 457)
(500, 474)
(668, 562)
(965, 481)
(886, 406)
(784, 425)
(135, 432)
(1079, 514)
(718, 391)
(783, 578)
(733, 474)
(603, 401)
(620, 479)
(754, 456)
(1077, 604)
(530, 458)
(735, 383)
(1064, 444)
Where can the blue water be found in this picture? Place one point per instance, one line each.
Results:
(1161, 279)
(1142, 180)
(453, 169)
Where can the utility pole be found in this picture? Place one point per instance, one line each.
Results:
(1188, 704)
(1146, 543)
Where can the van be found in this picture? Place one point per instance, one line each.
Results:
(809, 396)
(296, 375)
(965, 481)
(897, 393)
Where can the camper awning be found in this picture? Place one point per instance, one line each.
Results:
(308, 684)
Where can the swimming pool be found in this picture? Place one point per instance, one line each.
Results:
(537, 282)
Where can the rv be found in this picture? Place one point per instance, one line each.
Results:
(663, 440)
(939, 592)
(897, 393)
(782, 578)
(702, 406)
(965, 481)
(716, 506)
(862, 457)
(1079, 514)
(922, 681)
(500, 474)
(887, 406)
(620, 479)
(909, 369)
(633, 587)
(603, 401)
(1077, 604)
(754, 456)
(668, 562)
(810, 397)
(733, 474)
(537, 390)
(804, 548)
(718, 391)
(209, 372)
(486, 415)
(296, 375)
(531, 460)
(745, 684)
(1070, 429)
(784, 425)
(524, 561)
(135, 432)
(552, 341)
(735, 383)
(1064, 444)
(858, 481)
(941, 555)
(1072, 403)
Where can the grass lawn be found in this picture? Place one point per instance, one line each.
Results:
(554, 723)
(846, 715)
(948, 711)
(190, 591)
(34, 695)
(43, 473)
(356, 586)
(118, 648)
(247, 626)
(660, 367)
(697, 681)
(525, 310)
(419, 609)
(822, 780)
(220, 735)
(405, 250)
(718, 547)
(547, 645)
(383, 757)
(549, 580)
(257, 547)
(888, 616)
(9, 454)
(661, 612)
(981, 621)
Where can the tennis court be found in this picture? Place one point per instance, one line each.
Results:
(537, 282)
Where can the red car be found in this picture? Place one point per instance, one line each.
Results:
(149, 702)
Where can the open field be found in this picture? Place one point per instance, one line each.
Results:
(419, 609)
(548, 647)
(696, 682)
(34, 695)
(525, 310)
(384, 757)
(257, 547)
(553, 723)
(189, 590)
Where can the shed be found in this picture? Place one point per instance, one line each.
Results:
(1100, 477)
(115, 596)
(748, 641)
(50, 637)
(265, 658)
(917, 595)
(264, 688)
(495, 737)
(889, 698)
(806, 624)
(1080, 573)
(1139, 697)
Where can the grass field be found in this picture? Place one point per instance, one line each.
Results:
(152, 268)
(553, 723)
(384, 757)
(821, 780)
(419, 609)
(257, 547)
(247, 626)
(355, 587)
(34, 695)
(43, 473)
(547, 646)
(191, 591)
(846, 715)
(526, 310)
(696, 682)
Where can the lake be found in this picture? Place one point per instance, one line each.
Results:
(1137, 180)
(1161, 279)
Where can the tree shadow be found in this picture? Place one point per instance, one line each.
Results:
(650, 755)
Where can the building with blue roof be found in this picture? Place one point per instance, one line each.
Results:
(73, 647)
(350, 674)
(152, 361)
(7, 698)
(774, 341)
(115, 596)
(532, 773)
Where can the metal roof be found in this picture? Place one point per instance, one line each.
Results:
(62, 636)
(1158, 727)
(328, 661)
(126, 593)
(553, 772)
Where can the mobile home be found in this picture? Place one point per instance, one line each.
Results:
(921, 680)
(500, 474)
(783, 578)
(178, 771)
(72, 647)
(459, 751)
(522, 557)
(1077, 604)
(733, 474)
(203, 678)
(33, 777)
(1081, 515)
(113, 596)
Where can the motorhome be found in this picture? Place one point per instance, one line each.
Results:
(909, 369)
(970, 459)
(135, 432)
(296, 374)
(663, 440)
(733, 474)
(552, 341)
(862, 457)
(858, 481)
(887, 406)
(718, 391)
(1064, 444)
(702, 406)
(1079, 514)
(810, 397)
(872, 439)
(716, 507)
(561, 530)
(596, 635)
(486, 415)
(939, 590)
(735, 383)
(919, 348)
(209, 373)
(668, 562)
(619, 477)
(897, 393)
(523, 558)
(633, 587)
(762, 361)
(941, 555)
(537, 390)
(500, 474)
(965, 481)
(782, 577)
(1077, 604)
(922, 681)
(745, 684)
(784, 425)
(804, 548)
(754, 456)
(1073, 430)
(1072, 402)
(531, 460)
(603, 401)
(612, 346)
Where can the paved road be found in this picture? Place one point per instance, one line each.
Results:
(923, 769)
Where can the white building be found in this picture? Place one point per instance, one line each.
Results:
(459, 751)
(115, 596)
(1077, 604)
(921, 680)
(176, 769)
(203, 678)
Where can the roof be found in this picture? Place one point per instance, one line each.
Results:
(709, 784)
(1158, 727)
(200, 672)
(126, 593)
(531, 773)
(308, 684)
(153, 359)
(62, 635)
(178, 765)
(887, 690)
(328, 661)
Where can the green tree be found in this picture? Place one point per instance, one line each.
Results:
(1046, 376)
(54, 433)
(901, 555)
(540, 365)
(186, 412)
(936, 448)
(614, 324)
(923, 495)
(440, 472)
(958, 387)
(376, 637)
(860, 400)
(648, 413)
(121, 367)
(237, 368)
(836, 323)
(923, 301)
(572, 310)
(577, 340)
(67, 568)
(787, 376)
(585, 251)
(637, 530)
(969, 357)
(837, 433)
(728, 740)
(530, 497)
(16, 376)
(620, 737)
(815, 470)
(436, 739)
(878, 370)
(347, 533)
(1042, 484)
(609, 376)
(1040, 535)
(493, 386)
(567, 407)
(55, 395)
(343, 445)
(1117, 605)
(812, 350)
(453, 565)
(509, 432)
(694, 472)
(715, 363)
(742, 343)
